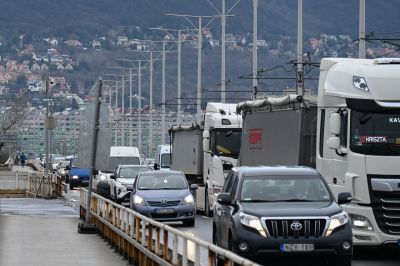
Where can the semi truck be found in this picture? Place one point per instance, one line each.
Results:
(356, 147)
(205, 152)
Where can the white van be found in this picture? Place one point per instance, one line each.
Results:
(163, 157)
(123, 155)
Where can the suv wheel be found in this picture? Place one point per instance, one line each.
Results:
(342, 261)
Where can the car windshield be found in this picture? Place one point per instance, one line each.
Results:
(132, 172)
(164, 181)
(284, 188)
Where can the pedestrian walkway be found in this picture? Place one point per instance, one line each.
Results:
(39, 232)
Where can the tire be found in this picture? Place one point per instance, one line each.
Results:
(189, 222)
(343, 261)
(208, 211)
(231, 247)
(116, 200)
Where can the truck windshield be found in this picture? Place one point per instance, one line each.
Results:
(284, 189)
(166, 160)
(115, 161)
(226, 142)
(375, 133)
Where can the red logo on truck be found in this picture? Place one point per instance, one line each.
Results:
(255, 135)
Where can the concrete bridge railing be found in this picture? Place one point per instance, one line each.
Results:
(35, 183)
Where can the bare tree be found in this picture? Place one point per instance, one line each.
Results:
(9, 119)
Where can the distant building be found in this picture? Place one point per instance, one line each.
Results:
(35, 86)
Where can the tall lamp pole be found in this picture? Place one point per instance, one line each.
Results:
(361, 45)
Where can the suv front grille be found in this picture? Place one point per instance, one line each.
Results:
(167, 203)
(296, 228)
(385, 202)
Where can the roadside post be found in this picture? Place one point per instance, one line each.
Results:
(86, 227)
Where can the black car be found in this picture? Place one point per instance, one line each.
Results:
(265, 213)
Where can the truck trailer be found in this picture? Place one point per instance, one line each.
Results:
(354, 140)
(205, 152)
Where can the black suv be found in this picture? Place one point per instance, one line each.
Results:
(263, 213)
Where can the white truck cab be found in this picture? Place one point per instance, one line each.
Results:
(358, 142)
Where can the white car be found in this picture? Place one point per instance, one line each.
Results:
(121, 182)
(101, 184)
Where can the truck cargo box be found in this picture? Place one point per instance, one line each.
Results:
(283, 135)
(187, 149)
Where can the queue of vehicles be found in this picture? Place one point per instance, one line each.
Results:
(350, 134)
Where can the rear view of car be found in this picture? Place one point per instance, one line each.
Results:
(164, 196)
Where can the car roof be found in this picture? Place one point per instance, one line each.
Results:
(160, 172)
(133, 166)
(276, 170)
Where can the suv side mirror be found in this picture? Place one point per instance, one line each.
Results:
(224, 198)
(194, 186)
(344, 197)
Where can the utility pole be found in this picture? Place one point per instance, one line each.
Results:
(123, 111)
(151, 107)
(223, 74)
(199, 29)
(255, 45)
(300, 74)
(140, 105)
(361, 44)
(199, 46)
(163, 95)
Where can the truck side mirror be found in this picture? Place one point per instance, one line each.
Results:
(334, 123)
(156, 166)
(334, 143)
(206, 141)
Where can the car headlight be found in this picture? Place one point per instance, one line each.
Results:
(253, 222)
(137, 200)
(337, 221)
(103, 177)
(360, 223)
(188, 200)
(75, 177)
(216, 190)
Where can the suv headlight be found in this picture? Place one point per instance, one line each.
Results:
(252, 222)
(137, 200)
(337, 221)
(188, 200)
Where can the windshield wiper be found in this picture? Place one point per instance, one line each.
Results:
(297, 200)
(257, 200)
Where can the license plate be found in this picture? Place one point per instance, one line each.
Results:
(296, 247)
(163, 211)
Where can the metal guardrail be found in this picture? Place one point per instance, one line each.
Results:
(141, 239)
